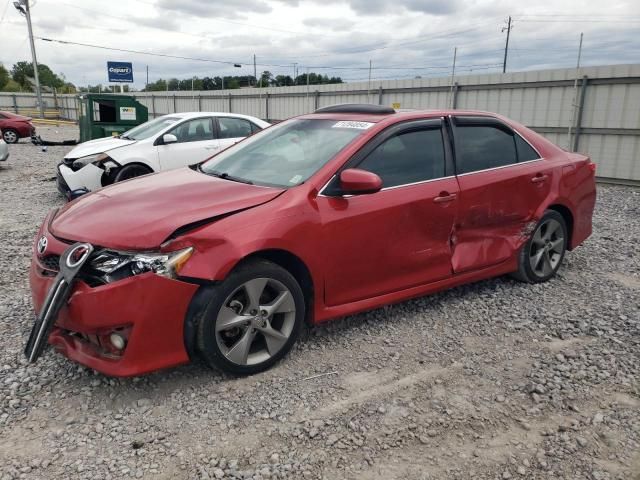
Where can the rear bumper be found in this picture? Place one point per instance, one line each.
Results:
(4, 152)
(150, 307)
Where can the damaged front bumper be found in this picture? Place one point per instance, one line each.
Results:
(72, 183)
(125, 328)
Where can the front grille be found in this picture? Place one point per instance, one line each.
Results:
(51, 265)
(51, 262)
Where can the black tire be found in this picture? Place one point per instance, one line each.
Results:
(131, 171)
(9, 135)
(208, 338)
(551, 258)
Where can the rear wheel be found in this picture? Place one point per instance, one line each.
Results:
(131, 171)
(10, 136)
(541, 256)
(252, 320)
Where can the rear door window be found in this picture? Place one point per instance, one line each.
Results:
(481, 147)
(233, 127)
(524, 150)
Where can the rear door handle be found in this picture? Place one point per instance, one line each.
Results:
(539, 178)
(444, 197)
(213, 147)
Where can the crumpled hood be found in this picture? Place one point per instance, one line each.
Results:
(142, 213)
(99, 145)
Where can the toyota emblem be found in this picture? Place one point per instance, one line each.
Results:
(42, 245)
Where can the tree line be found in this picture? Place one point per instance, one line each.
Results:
(266, 79)
(20, 79)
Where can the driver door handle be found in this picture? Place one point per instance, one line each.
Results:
(539, 178)
(445, 197)
(212, 147)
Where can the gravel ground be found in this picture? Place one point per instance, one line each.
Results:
(492, 380)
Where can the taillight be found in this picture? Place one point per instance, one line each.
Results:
(593, 167)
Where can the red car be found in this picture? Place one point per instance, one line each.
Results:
(14, 127)
(324, 215)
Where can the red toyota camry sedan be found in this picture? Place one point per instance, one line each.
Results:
(323, 215)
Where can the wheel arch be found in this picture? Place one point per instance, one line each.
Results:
(109, 179)
(567, 215)
(283, 258)
(139, 163)
(295, 266)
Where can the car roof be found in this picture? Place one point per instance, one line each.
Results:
(398, 116)
(185, 115)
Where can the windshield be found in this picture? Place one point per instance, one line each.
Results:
(286, 154)
(149, 129)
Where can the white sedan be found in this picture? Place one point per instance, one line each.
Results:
(167, 142)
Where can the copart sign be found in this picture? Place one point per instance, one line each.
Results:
(120, 72)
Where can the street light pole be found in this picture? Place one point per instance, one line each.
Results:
(27, 13)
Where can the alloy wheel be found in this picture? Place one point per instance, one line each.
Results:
(255, 321)
(547, 247)
(10, 136)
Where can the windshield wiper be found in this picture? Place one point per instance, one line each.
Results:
(124, 137)
(226, 176)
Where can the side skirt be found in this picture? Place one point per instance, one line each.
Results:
(328, 313)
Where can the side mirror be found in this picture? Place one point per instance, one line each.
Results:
(168, 138)
(354, 181)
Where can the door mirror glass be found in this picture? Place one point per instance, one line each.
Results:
(168, 138)
(354, 181)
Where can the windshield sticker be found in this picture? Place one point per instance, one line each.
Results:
(349, 124)
(295, 179)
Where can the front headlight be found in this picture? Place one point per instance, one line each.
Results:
(82, 161)
(117, 265)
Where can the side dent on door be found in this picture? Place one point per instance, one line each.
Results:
(499, 206)
(500, 211)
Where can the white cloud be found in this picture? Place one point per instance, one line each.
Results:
(417, 34)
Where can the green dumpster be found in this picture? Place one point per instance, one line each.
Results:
(107, 115)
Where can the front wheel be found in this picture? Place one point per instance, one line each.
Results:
(252, 320)
(131, 171)
(541, 256)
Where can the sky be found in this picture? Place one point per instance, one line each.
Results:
(401, 38)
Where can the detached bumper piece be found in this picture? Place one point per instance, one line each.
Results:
(73, 184)
(71, 261)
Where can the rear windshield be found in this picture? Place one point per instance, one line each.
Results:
(286, 154)
(149, 129)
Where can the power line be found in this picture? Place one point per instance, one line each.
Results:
(228, 62)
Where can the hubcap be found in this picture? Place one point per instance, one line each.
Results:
(547, 247)
(255, 321)
(10, 137)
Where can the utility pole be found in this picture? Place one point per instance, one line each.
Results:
(453, 72)
(506, 47)
(255, 72)
(294, 72)
(369, 85)
(574, 102)
(146, 85)
(26, 11)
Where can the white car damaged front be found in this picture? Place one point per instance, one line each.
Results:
(92, 165)
(165, 143)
